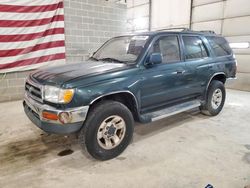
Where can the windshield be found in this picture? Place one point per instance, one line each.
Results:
(121, 49)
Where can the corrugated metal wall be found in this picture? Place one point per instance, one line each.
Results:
(231, 18)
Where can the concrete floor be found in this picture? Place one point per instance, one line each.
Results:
(188, 150)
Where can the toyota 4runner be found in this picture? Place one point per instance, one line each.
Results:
(142, 77)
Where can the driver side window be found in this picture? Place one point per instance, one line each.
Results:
(168, 46)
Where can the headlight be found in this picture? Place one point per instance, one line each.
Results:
(58, 95)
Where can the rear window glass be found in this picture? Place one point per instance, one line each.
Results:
(220, 46)
(194, 48)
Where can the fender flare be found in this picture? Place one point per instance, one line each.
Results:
(117, 92)
(211, 78)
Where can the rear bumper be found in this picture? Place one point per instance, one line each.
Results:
(34, 110)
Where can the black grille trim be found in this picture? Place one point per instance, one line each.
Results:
(33, 91)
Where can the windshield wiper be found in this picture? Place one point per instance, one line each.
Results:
(111, 59)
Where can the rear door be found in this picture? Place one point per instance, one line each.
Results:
(198, 63)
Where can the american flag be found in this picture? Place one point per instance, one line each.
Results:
(31, 34)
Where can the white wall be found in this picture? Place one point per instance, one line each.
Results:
(170, 13)
(137, 15)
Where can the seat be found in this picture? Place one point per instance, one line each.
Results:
(169, 51)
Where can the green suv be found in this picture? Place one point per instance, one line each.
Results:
(142, 77)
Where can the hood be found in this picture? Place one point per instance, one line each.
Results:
(61, 74)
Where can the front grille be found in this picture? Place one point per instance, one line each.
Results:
(33, 112)
(33, 91)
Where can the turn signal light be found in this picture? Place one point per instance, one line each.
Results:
(66, 95)
(50, 116)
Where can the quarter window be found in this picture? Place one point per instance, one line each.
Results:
(194, 48)
(168, 46)
(219, 46)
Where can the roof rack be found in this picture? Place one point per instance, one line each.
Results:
(208, 31)
(175, 28)
(183, 29)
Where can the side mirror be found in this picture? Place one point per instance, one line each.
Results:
(154, 58)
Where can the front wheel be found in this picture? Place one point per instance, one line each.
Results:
(216, 96)
(108, 130)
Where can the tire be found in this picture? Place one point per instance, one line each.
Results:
(102, 119)
(210, 108)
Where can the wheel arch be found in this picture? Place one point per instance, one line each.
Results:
(220, 76)
(125, 97)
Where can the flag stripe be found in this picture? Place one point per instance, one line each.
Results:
(29, 2)
(18, 45)
(27, 37)
(29, 30)
(35, 66)
(30, 23)
(30, 16)
(47, 45)
(33, 60)
(34, 54)
(28, 9)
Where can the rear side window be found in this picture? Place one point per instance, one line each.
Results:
(220, 46)
(194, 48)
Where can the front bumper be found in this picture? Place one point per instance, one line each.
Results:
(35, 109)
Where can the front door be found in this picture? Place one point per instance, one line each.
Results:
(165, 82)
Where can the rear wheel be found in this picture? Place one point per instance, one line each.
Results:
(108, 130)
(216, 96)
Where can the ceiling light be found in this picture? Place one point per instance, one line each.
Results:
(239, 45)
